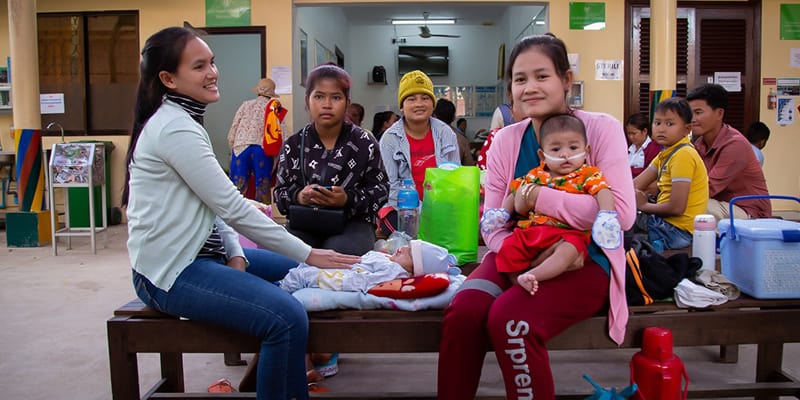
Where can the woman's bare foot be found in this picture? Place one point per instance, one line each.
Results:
(528, 282)
(312, 376)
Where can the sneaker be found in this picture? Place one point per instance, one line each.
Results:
(329, 368)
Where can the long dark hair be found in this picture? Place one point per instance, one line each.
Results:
(378, 120)
(640, 121)
(551, 46)
(162, 52)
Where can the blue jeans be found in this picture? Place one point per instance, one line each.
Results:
(672, 236)
(250, 302)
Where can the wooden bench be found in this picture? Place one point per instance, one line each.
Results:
(135, 328)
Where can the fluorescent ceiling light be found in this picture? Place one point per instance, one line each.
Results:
(423, 21)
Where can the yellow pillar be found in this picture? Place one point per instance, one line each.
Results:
(24, 64)
(29, 227)
(663, 44)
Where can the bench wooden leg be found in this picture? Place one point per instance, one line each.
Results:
(248, 383)
(729, 354)
(124, 366)
(172, 372)
(768, 365)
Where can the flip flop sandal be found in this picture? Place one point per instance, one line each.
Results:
(221, 386)
(316, 388)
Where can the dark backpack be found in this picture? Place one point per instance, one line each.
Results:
(379, 74)
(651, 276)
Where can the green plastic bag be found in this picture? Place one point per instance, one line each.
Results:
(449, 215)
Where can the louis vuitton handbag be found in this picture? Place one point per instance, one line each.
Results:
(314, 219)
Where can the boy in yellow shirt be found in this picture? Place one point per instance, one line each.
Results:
(680, 174)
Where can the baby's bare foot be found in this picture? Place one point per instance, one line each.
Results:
(528, 282)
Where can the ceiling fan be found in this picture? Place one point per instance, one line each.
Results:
(425, 32)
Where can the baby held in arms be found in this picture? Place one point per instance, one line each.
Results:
(552, 246)
(415, 259)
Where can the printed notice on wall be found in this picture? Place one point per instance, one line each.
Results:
(282, 76)
(785, 114)
(731, 81)
(608, 70)
(788, 86)
(486, 100)
(574, 62)
(51, 103)
(794, 57)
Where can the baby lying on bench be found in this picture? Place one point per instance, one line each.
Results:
(416, 259)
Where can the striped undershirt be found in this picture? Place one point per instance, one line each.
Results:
(213, 246)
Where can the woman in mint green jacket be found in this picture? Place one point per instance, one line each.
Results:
(176, 189)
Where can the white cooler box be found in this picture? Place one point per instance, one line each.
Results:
(762, 256)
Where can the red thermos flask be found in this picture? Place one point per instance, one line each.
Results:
(656, 370)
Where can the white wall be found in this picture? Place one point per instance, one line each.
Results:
(473, 56)
(469, 64)
(326, 25)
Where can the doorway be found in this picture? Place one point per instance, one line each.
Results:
(714, 38)
(239, 55)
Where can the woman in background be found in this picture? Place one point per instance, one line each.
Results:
(381, 121)
(642, 149)
(417, 141)
(341, 166)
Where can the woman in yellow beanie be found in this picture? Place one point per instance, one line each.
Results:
(417, 141)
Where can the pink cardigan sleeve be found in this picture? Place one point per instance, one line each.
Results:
(501, 159)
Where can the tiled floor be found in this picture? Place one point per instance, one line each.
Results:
(53, 340)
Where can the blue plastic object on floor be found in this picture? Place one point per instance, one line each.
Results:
(601, 393)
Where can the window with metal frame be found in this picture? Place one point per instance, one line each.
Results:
(91, 58)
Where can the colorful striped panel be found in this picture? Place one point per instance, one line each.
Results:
(656, 96)
(30, 176)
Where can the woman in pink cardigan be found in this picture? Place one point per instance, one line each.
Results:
(491, 310)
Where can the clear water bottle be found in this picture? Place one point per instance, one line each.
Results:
(704, 240)
(408, 209)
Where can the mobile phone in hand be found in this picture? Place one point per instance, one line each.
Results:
(326, 187)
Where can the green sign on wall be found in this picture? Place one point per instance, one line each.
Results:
(227, 12)
(587, 16)
(790, 22)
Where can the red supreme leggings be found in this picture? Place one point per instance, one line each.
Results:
(488, 309)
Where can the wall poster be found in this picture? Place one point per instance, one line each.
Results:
(785, 114)
(587, 16)
(227, 12)
(790, 22)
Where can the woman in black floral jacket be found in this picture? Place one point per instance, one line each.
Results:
(341, 166)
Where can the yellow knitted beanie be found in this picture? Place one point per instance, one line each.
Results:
(414, 82)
